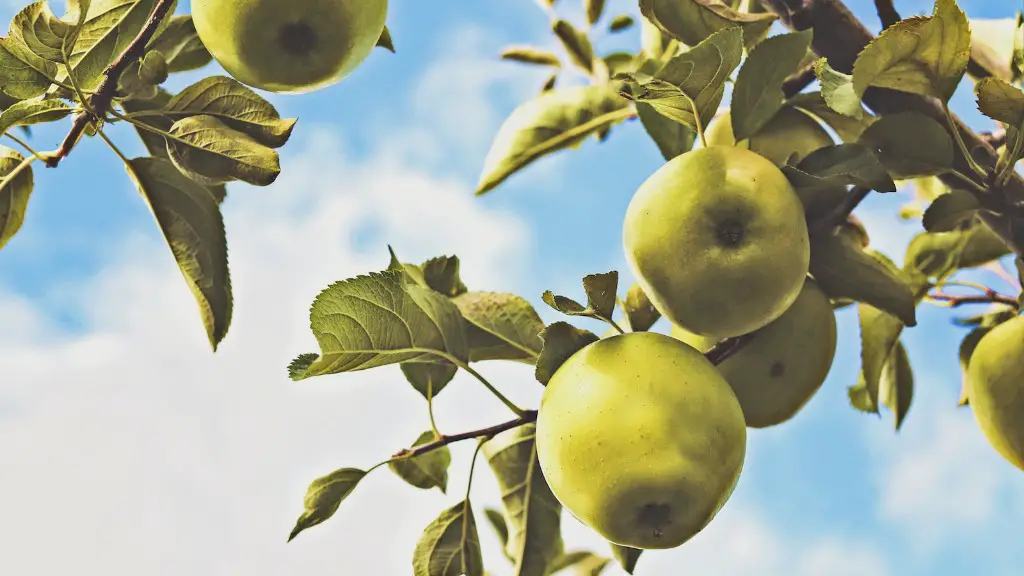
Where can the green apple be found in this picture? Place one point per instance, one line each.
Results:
(784, 364)
(717, 239)
(790, 132)
(995, 386)
(290, 46)
(641, 439)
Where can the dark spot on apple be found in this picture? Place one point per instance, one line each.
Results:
(731, 232)
(777, 369)
(297, 38)
(655, 517)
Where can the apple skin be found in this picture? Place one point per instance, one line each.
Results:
(289, 46)
(717, 239)
(641, 439)
(789, 132)
(995, 381)
(783, 366)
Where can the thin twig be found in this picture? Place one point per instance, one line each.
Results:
(887, 13)
(101, 100)
(990, 297)
(487, 433)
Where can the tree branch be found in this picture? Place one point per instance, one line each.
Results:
(990, 297)
(101, 100)
(840, 37)
(527, 417)
(887, 13)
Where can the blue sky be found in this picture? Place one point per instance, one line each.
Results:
(128, 448)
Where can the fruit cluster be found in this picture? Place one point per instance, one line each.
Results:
(718, 241)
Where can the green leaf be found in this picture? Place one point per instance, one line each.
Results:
(234, 104)
(626, 556)
(620, 23)
(920, 55)
(601, 295)
(844, 270)
(594, 9)
(193, 227)
(109, 28)
(995, 40)
(442, 274)
(1001, 101)
(428, 470)
(757, 94)
(180, 45)
(896, 388)
(211, 152)
(533, 512)
(837, 90)
(15, 191)
(410, 272)
(951, 211)
(910, 145)
(385, 41)
(497, 521)
(639, 310)
(576, 44)
(849, 129)
(879, 332)
(671, 137)
(697, 75)
(530, 55)
(549, 84)
(378, 319)
(23, 74)
(583, 563)
(27, 112)
(561, 340)
(691, 21)
(132, 87)
(324, 496)
(842, 164)
(450, 545)
(500, 326)
(153, 68)
(41, 31)
(429, 378)
(550, 122)
(938, 254)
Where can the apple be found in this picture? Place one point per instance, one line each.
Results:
(995, 386)
(289, 46)
(640, 438)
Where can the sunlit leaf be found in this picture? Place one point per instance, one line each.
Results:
(16, 184)
(211, 152)
(427, 470)
(450, 545)
(324, 496)
(691, 21)
(757, 94)
(500, 326)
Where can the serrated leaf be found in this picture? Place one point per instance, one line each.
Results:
(879, 332)
(429, 378)
(153, 68)
(896, 388)
(561, 340)
(840, 165)
(234, 104)
(324, 496)
(23, 74)
(211, 152)
(497, 521)
(500, 326)
(193, 228)
(593, 9)
(40, 31)
(426, 471)
(550, 122)
(920, 55)
(533, 512)
(601, 295)
(27, 112)
(15, 191)
(757, 94)
(378, 319)
(180, 45)
(844, 270)
(385, 41)
(450, 545)
(837, 90)
(950, 211)
(410, 272)
(626, 556)
(691, 21)
(671, 137)
(1001, 101)
(620, 23)
(564, 304)
(442, 275)
(697, 75)
(110, 26)
(530, 55)
(910, 145)
(938, 254)
(849, 129)
(576, 43)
